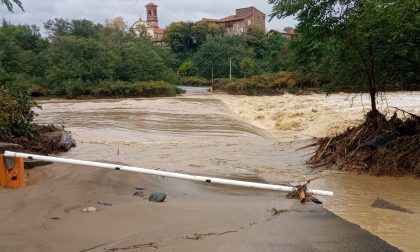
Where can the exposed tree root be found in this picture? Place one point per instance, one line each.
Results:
(378, 146)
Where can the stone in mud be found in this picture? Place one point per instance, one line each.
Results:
(139, 194)
(157, 197)
(89, 210)
(66, 141)
(381, 203)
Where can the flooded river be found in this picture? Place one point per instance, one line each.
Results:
(243, 137)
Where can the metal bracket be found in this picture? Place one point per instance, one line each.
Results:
(9, 162)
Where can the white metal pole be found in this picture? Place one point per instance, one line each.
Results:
(162, 173)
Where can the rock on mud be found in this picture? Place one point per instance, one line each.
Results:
(157, 197)
(67, 141)
(381, 203)
(89, 210)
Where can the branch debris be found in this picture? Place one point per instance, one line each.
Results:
(378, 146)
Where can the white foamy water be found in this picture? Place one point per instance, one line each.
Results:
(315, 115)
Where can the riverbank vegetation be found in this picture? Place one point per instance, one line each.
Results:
(80, 57)
(72, 58)
(17, 127)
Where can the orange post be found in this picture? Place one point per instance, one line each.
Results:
(12, 178)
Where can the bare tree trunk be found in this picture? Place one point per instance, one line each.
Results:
(372, 82)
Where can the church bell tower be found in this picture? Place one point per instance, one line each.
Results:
(151, 10)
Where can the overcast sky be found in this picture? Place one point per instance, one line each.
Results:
(38, 11)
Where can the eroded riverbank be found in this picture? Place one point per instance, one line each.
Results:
(201, 135)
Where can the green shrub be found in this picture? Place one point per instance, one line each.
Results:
(151, 89)
(247, 67)
(221, 83)
(36, 91)
(136, 89)
(187, 69)
(264, 84)
(76, 88)
(194, 81)
(16, 114)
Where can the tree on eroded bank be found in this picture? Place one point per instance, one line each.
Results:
(371, 43)
(374, 42)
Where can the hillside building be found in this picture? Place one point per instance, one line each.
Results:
(241, 21)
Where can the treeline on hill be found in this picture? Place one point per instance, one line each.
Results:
(205, 53)
(316, 57)
(80, 58)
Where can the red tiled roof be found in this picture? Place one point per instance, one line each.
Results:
(151, 4)
(210, 20)
(159, 30)
(227, 19)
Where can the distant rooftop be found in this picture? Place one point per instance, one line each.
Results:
(151, 4)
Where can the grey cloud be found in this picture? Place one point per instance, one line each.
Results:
(37, 12)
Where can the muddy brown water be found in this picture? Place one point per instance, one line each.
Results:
(201, 135)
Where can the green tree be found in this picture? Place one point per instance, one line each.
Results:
(187, 69)
(9, 4)
(138, 61)
(247, 67)
(214, 56)
(84, 28)
(215, 30)
(20, 46)
(276, 54)
(185, 38)
(111, 38)
(199, 34)
(72, 58)
(256, 39)
(57, 27)
(77, 27)
(178, 37)
(169, 58)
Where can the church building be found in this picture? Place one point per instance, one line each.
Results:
(150, 27)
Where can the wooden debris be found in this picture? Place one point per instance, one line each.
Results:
(136, 246)
(379, 146)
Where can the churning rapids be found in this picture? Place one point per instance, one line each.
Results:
(250, 138)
